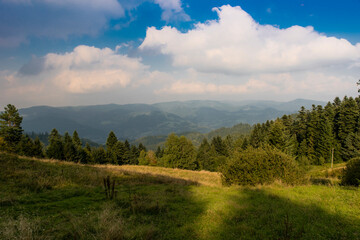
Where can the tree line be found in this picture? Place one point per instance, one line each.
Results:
(311, 137)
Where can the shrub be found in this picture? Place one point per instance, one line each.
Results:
(352, 173)
(261, 166)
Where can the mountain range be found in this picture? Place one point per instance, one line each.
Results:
(133, 121)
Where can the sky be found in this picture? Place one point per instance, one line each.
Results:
(87, 52)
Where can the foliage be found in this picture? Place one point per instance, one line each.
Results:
(179, 152)
(147, 158)
(55, 149)
(10, 127)
(352, 173)
(260, 166)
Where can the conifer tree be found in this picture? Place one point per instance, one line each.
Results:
(70, 153)
(204, 156)
(38, 148)
(111, 141)
(55, 148)
(10, 127)
(76, 140)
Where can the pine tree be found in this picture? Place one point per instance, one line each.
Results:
(347, 124)
(10, 127)
(326, 139)
(276, 135)
(141, 147)
(134, 151)
(159, 152)
(111, 141)
(76, 140)
(220, 147)
(204, 156)
(55, 148)
(25, 146)
(38, 148)
(70, 153)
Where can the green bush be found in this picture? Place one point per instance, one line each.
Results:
(261, 166)
(352, 173)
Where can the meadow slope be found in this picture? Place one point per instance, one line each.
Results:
(47, 199)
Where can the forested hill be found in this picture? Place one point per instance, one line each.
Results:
(133, 121)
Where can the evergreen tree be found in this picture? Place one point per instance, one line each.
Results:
(325, 138)
(347, 123)
(119, 151)
(70, 153)
(141, 147)
(10, 127)
(111, 141)
(76, 140)
(245, 143)
(220, 147)
(134, 151)
(127, 153)
(276, 135)
(55, 148)
(25, 146)
(204, 156)
(159, 152)
(38, 148)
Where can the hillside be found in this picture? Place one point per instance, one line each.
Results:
(152, 142)
(67, 201)
(133, 121)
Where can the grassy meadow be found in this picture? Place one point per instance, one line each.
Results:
(47, 199)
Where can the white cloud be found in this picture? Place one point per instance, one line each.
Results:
(172, 10)
(89, 69)
(236, 44)
(84, 70)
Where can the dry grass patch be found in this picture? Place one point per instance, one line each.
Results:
(200, 177)
(183, 176)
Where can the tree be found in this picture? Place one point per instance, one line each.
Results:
(98, 155)
(38, 148)
(55, 148)
(69, 149)
(111, 141)
(204, 157)
(179, 152)
(76, 140)
(111, 145)
(10, 127)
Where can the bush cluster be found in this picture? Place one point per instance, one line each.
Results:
(261, 166)
(352, 173)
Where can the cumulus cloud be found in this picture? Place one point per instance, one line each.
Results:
(172, 10)
(85, 69)
(236, 44)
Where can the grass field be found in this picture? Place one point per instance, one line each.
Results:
(46, 199)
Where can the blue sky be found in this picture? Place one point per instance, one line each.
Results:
(81, 52)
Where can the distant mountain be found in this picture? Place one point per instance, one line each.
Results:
(133, 121)
(152, 142)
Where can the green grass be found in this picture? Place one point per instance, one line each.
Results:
(54, 200)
